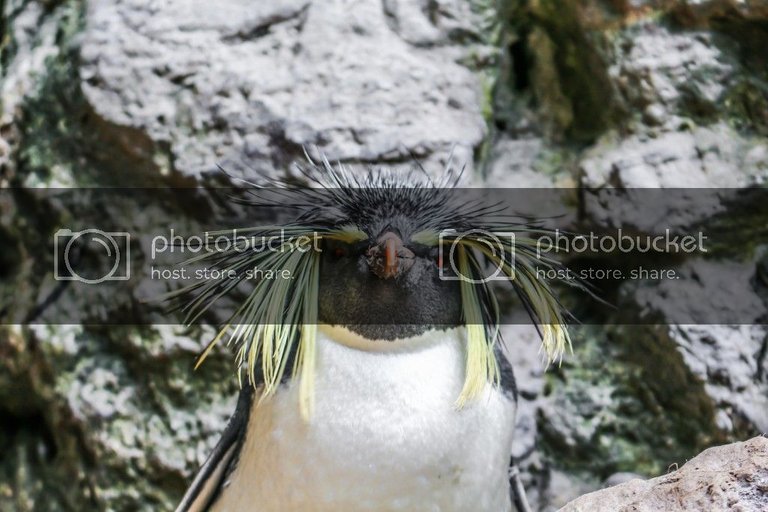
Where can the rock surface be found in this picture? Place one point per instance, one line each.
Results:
(730, 477)
(578, 96)
(247, 88)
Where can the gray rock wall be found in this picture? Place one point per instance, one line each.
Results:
(540, 93)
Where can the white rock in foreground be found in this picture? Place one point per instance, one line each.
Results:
(725, 478)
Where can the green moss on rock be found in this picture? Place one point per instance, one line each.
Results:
(625, 402)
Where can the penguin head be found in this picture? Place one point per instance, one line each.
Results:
(380, 271)
(386, 284)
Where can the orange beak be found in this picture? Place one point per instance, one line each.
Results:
(390, 254)
(389, 257)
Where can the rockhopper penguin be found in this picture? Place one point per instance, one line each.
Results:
(398, 396)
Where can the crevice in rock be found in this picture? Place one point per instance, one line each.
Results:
(263, 26)
(10, 256)
(747, 99)
(521, 64)
(51, 448)
(557, 59)
(762, 355)
(289, 151)
(390, 16)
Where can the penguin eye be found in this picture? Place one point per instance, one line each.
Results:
(339, 250)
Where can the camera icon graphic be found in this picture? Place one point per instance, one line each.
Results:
(497, 251)
(91, 256)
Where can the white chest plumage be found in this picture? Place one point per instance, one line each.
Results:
(384, 436)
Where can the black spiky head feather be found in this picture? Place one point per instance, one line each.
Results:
(380, 270)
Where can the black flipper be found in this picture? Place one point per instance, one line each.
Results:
(509, 388)
(519, 499)
(506, 375)
(214, 472)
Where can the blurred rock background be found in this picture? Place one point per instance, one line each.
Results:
(529, 93)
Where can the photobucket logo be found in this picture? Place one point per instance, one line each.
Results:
(219, 242)
(499, 247)
(667, 243)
